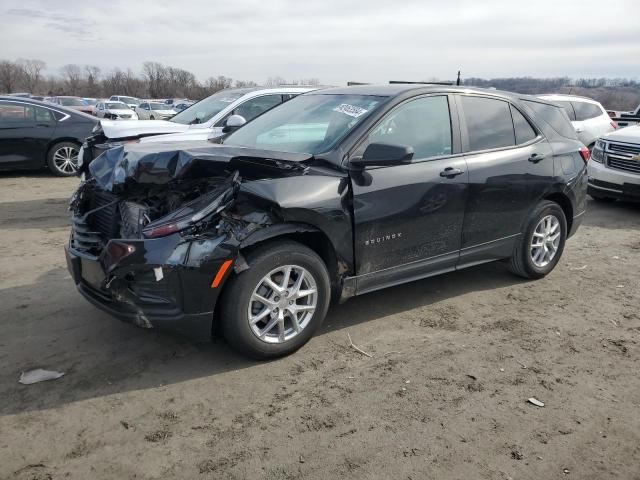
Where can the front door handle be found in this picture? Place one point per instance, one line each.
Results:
(451, 172)
(536, 157)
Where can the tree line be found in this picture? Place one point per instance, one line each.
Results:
(155, 80)
(612, 93)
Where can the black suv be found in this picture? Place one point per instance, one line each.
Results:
(335, 193)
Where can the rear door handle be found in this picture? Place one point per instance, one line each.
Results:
(451, 172)
(536, 157)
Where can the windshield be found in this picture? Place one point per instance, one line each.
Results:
(159, 106)
(116, 106)
(307, 124)
(206, 109)
(72, 102)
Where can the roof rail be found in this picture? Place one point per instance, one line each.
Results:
(393, 82)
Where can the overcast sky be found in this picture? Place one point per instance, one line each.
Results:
(332, 40)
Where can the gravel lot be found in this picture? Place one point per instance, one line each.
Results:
(444, 396)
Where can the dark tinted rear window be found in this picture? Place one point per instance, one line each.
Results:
(585, 111)
(555, 117)
(524, 131)
(488, 122)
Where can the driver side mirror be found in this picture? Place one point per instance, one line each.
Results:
(383, 154)
(233, 123)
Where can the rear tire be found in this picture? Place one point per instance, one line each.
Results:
(540, 247)
(268, 330)
(62, 159)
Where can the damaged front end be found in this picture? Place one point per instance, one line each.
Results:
(156, 232)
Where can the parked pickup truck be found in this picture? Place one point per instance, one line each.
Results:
(614, 169)
(335, 193)
(625, 119)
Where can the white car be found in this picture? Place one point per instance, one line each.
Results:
(614, 169)
(154, 111)
(589, 118)
(203, 120)
(133, 102)
(114, 111)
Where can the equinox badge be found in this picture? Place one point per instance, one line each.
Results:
(382, 239)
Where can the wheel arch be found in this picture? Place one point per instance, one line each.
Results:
(566, 205)
(305, 234)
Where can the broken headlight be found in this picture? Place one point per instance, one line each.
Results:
(195, 211)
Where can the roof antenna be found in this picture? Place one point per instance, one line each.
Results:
(458, 80)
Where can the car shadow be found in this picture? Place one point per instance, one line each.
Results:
(48, 325)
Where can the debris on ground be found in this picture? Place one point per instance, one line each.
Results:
(39, 375)
(535, 402)
(357, 349)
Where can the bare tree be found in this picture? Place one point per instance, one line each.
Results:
(92, 74)
(10, 76)
(72, 75)
(32, 70)
(275, 81)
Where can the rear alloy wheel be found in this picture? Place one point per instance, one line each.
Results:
(62, 159)
(538, 250)
(275, 306)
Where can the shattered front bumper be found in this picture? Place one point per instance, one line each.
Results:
(163, 283)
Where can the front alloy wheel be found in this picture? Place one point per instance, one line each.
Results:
(282, 304)
(273, 308)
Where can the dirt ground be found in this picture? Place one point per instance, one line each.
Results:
(455, 359)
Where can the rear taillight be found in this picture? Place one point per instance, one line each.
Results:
(614, 125)
(585, 154)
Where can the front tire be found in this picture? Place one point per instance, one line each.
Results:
(539, 249)
(274, 307)
(62, 159)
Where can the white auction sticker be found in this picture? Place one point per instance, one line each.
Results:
(350, 110)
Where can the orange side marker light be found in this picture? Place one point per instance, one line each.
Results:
(221, 271)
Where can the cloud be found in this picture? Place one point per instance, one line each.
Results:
(333, 40)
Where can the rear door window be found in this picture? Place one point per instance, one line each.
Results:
(43, 115)
(555, 117)
(488, 122)
(524, 131)
(586, 111)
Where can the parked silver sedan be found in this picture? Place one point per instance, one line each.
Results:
(115, 111)
(154, 111)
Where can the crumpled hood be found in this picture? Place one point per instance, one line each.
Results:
(627, 134)
(114, 129)
(122, 167)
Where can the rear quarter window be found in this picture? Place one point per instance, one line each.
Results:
(555, 117)
(586, 111)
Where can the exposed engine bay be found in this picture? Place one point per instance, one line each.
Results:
(153, 210)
